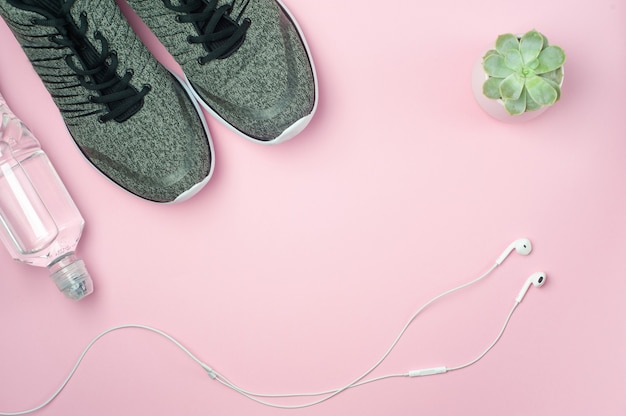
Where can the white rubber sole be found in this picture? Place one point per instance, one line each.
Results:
(197, 187)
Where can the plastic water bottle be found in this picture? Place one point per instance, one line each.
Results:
(39, 223)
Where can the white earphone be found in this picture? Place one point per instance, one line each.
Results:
(536, 279)
(521, 246)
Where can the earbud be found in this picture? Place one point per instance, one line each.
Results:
(536, 279)
(521, 246)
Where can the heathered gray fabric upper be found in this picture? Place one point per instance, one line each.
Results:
(262, 88)
(158, 153)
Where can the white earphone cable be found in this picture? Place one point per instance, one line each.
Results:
(356, 382)
(87, 348)
(359, 381)
(493, 344)
(332, 393)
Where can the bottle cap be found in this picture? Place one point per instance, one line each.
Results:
(73, 280)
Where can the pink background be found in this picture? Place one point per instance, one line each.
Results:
(297, 265)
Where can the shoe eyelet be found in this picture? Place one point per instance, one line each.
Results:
(201, 61)
(189, 39)
(177, 18)
(90, 98)
(100, 120)
(148, 87)
(130, 72)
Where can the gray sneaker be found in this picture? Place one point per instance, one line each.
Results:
(246, 60)
(132, 119)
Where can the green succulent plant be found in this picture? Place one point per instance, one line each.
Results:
(524, 72)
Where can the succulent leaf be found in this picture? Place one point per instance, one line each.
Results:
(550, 59)
(541, 91)
(531, 105)
(531, 45)
(515, 107)
(491, 88)
(513, 59)
(506, 42)
(490, 52)
(555, 76)
(495, 66)
(511, 87)
(554, 85)
(533, 64)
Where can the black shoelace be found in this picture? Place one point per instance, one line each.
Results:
(220, 33)
(95, 70)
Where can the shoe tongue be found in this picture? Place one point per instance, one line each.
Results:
(48, 7)
(91, 59)
(48, 4)
(226, 22)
